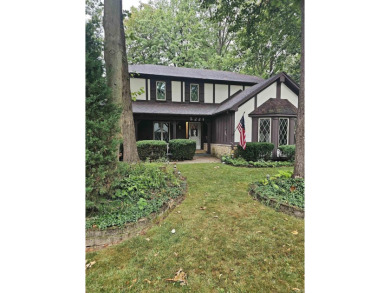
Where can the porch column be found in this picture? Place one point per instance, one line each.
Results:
(174, 123)
(136, 122)
(255, 129)
(274, 135)
(291, 131)
(209, 137)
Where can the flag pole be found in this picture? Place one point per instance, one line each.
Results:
(239, 123)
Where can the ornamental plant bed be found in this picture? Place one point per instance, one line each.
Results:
(141, 191)
(282, 193)
(97, 239)
(240, 162)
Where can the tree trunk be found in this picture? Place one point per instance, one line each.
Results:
(118, 78)
(299, 168)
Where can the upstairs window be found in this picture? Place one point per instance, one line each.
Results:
(283, 131)
(264, 130)
(194, 92)
(161, 91)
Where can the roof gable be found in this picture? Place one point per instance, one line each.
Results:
(273, 107)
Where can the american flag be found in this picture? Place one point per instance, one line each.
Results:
(241, 129)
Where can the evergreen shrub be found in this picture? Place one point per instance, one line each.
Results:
(288, 151)
(255, 151)
(152, 149)
(182, 149)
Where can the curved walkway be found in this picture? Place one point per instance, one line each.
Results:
(224, 241)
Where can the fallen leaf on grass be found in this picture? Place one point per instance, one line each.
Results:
(259, 231)
(132, 283)
(217, 167)
(178, 212)
(202, 208)
(285, 219)
(176, 254)
(147, 239)
(146, 280)
(87, 266)
(296, 289)
(292, 188)
(215, 216)
(180, 276)
(294, 232)
(156, 254)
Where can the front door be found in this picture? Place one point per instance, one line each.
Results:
(194, 133)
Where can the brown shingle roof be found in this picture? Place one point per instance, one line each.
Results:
(151, 107)
(193, 73)
(275, 107)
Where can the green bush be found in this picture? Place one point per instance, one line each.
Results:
(182, 149)
(288, 151)
(152, 149)
(240, 162)
(255, 151)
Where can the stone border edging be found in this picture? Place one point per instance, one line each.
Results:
(96, 239)
(283, 207)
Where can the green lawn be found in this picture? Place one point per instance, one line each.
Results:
(235, 245)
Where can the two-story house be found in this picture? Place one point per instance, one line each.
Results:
(207, 105)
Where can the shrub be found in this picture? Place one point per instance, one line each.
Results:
(152, 149)
(182, 149)
(288, 151)
(255, 151)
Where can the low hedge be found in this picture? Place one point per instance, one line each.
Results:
(182, 149)
(288, 151)
(152, 149)
(255, 151)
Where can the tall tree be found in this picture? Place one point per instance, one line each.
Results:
(299, 167)
(118, 75)
(102, 115)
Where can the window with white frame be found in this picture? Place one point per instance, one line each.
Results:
(265, 130)
(283, 131)
(161, 90)
(161, 131)
(194, 92)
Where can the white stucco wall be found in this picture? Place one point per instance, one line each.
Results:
(221, 92)
(136, 84)
(288, 94)
(149, 89)
(247, 107)
(235, 88)
(264, 95)
(176, 91)
(208, 92)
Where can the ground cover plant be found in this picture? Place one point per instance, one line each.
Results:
(139, 190)
(241, 162)
(224, 241)
(282, 188)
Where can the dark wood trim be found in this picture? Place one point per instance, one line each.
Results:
(208, 137)
(146, 89)
(274, 135)
(228, 90)
(255, 129)
(255, 97)
(291, 126)
(213, 93)
(272, 115)
(278, 89)
(174, 129)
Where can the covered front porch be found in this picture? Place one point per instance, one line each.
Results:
(167, 127)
